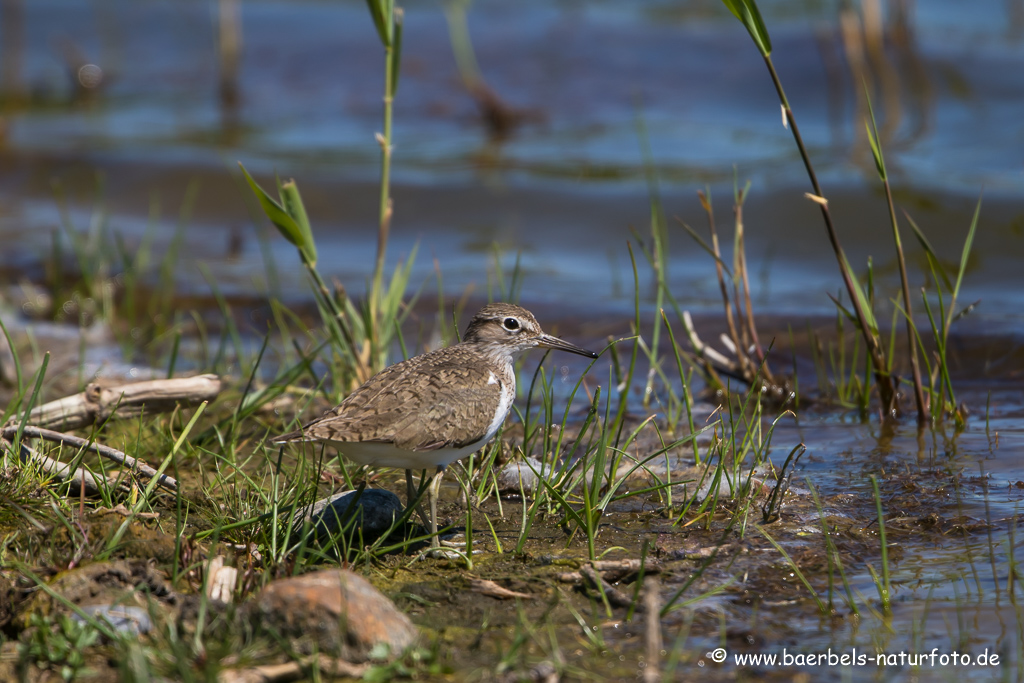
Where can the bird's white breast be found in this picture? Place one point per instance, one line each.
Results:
(508, 395)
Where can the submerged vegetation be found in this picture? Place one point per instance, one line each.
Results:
(640, 522)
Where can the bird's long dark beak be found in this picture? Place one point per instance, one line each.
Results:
(546, 341)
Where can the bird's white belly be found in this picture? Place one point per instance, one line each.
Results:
(390, 455)
(504, 405)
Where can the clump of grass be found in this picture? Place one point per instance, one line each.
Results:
(832, 555)
(862, 313)
(749, 14)
(749, 356)
(876, 151)
(361, 338)
(941, 316)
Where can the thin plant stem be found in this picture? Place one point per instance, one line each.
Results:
(886, 391)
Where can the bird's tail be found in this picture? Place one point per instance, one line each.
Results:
(298, 435)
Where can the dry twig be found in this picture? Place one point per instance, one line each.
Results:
(293, 671)
(491, 589)
(163, 480)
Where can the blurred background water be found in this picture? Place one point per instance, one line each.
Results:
(145, 99)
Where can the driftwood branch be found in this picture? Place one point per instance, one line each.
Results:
(106, 451)
(708, 355)
(714, 365)
(99, 403)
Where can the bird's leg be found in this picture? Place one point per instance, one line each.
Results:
(432, 491)
(411, 497)
(410, 490)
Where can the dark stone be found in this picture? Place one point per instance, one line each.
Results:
(367, 515)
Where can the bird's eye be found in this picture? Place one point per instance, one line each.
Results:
(510, 324)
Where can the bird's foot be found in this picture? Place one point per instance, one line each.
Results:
(439, 553)
(449, 549)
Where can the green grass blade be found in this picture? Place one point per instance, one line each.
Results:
(277, 214)
(292, 202)
(796, 569)
(964, 255)
(378, 9)
(884, 588)
(933, 259)
(750, 16)
(872, 129)
(396, 59)
(862, 298)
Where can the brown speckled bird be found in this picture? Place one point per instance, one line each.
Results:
(431, 410)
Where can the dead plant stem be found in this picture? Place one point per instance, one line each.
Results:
(729, 319)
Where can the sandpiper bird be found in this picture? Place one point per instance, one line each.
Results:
(431, 410)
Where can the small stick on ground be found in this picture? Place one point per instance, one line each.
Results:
(616, 598)
(92, 484)
(164, 480)
(292, 671)
(490, 588)
(612, 570)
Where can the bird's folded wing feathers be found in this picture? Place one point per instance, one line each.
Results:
(457, 401)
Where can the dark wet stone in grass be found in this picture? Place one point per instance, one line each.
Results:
(542, 672)
(334, 611)
(374, 515)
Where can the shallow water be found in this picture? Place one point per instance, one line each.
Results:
(563, 190)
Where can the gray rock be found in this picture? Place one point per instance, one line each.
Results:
(123, 618)
(525, 470)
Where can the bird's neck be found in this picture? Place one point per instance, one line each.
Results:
(499, 354)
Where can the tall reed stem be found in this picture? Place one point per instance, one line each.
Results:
(386, 207)
(388, 20)
(886, 390)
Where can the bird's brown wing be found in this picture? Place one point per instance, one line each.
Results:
(426, 403)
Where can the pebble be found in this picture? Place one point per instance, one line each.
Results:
(527, 471)
(335, 612)
(123, 618)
